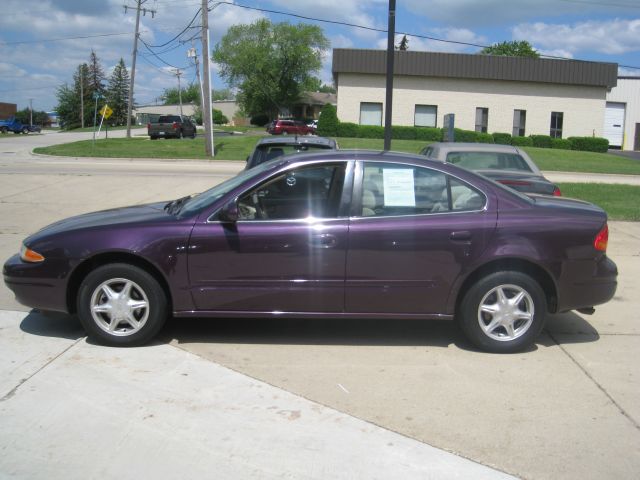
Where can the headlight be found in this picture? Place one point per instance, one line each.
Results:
(28, 255)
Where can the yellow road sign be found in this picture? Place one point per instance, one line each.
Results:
(106, 111)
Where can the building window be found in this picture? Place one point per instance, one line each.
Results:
(426, 116)
(370, 113)
(519, 122)
(556, 124)
(482, 119)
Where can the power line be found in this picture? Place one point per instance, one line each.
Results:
(177, 36)
(603, 4)
(158, 57)
(22, 42)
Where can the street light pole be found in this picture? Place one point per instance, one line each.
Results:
(206, 87)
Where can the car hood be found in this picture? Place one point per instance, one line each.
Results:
(149, 213)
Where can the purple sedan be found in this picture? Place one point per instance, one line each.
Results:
(349, 234)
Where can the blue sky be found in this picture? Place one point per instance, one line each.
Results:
(597, 30)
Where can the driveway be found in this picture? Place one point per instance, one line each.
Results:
(566, 409)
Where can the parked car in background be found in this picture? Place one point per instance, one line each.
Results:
(506, 164)
(289, 127)
(335, 234)
(172, 126)
(16, 126)
(269, 148)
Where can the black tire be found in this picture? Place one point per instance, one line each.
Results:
(153, 137)
(523, 321)
(144, 289)
(179, 135)
(3, 130)
(25, 130)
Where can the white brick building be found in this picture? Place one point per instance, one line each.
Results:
(516, 95)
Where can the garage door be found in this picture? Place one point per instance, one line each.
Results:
(614, 123)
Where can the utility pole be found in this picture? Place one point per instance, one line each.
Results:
(388, 107)
(81, 96)
(138, 9)
(206, 100)
(31, 111)
(178, 74)
(191, 53)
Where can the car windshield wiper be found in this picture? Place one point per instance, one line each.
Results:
(174, 206)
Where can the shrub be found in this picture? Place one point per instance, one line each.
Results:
(259, 120)
(346, 129)
(541, 141)
(561, 143)
(464, 135)
(522, 141)
(589, 144)
(403, 133)
(218, 117)
(370, 131)
(502, 138)
(328, 121)
(484, 138)
(429, 134)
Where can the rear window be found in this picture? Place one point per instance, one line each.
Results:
(488, 161)
(168, 119)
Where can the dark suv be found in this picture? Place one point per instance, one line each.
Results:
(289, 127)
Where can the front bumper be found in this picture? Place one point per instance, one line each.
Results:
(37, 285)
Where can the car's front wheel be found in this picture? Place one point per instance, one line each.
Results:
(121, 305)
(503, 312)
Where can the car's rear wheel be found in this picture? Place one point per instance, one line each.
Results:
(152, 137)
(25, 130)
(121, 305)
(503, 312)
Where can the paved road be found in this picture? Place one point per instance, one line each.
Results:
(566, 409)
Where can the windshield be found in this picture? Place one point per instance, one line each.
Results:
(206, 198)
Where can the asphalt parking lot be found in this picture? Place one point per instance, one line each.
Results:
(566, 409)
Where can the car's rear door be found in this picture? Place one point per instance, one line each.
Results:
(287, 252)
(412, 232)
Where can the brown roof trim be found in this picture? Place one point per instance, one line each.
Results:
(488, 67)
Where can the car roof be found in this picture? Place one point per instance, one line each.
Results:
(297, 140)
(475, 147)
(367, 155)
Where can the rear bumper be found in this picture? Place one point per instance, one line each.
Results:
(592, 289)
(33, 285)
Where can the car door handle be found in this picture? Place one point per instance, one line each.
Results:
(324, 240)
(460, 236)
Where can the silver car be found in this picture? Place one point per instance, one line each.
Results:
(506, 164)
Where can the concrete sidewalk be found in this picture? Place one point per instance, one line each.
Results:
(69, 409)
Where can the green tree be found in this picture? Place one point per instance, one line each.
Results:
(68, 107)
(96, 75)
(511, 49)
(39, 117)
(222, 94)
(118, 94)
(218, 117)
(404, 44)
(328, 121)
(190, 94)
(270, 63)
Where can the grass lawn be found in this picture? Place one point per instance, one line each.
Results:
(621, 202)
(90, 129)
(227, 148)
(239, 147)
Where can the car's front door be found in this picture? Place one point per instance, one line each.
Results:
(286, 252)
(415, 230)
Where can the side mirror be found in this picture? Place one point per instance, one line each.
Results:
(230, 213)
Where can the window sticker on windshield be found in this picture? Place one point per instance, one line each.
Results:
(398, 187)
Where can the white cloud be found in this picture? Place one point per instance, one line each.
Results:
(612, 37)
(474, 13)
(451, 34)
(628, 72)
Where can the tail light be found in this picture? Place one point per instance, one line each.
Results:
(175, 125)
(148, 126)
(602, 239)
(557, 192)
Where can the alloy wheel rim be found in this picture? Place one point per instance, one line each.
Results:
(120, 307)
(506, 312)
